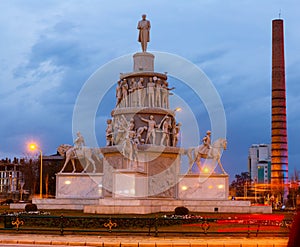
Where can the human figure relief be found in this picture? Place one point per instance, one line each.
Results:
(124, 93)
(139, 133)
(140, 92)
(120, 129)
(166, 126)
(129, 143)
(133, 93)
(151, 129)
(165, 94)
(119, 93)
(158, 88)
(151, 88)
(109, 133)
(175, 133)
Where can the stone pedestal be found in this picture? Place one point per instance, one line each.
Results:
(129, 183)
(158, 164)
(79, 185)
(143, 61)
(203, 187)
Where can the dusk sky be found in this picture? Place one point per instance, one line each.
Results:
(50, 48)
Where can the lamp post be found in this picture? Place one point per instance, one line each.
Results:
(33, 147)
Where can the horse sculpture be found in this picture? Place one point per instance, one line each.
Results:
(214, 153)
(83, 153)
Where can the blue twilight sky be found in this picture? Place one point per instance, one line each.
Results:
(49, 48)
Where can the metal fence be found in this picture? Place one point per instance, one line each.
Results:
(151, 226)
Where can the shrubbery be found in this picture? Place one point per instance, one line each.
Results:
(181, 211)
(30, 207)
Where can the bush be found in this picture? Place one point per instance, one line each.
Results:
(7, 202)
(181, 211)
(30, 207)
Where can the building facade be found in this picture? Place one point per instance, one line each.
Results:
(11, 178)
(259, 163)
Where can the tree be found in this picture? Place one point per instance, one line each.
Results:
(294, 190)
(31, 176)
(241, 184)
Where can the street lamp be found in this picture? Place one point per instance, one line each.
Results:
(33, 147)
(177, 109)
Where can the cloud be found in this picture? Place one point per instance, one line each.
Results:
(49, 49)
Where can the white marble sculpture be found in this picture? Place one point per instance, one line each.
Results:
(166, 126)
(109, 133)
(214, 153)
(151, 129)
(175, 133)
(151, 91)
(140, 92)
(158, 88)
(81, 152)
(129, 143)
(119, 93)
(165, 94)
(144, 32)
(124, 86)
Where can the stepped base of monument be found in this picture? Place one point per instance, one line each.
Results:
(147, 206)
(60, 204)
(144, 206)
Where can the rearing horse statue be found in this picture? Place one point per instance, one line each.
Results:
(214, 153)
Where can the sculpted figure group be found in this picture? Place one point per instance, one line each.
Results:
(141, 93)
(119, 129)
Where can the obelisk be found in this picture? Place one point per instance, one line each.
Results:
(279, 160)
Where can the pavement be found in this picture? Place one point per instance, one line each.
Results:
(137, 241)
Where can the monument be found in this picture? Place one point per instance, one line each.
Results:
(138, 171)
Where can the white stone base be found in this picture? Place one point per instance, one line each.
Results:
(71, 204)
(143, 61)
(47, 204)
(202, 187)
(197, 193)
(147, 206)
(129, 183)
(79, 185)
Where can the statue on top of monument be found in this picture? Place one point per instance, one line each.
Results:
(203, 149)
(144, 34)
(79, 141)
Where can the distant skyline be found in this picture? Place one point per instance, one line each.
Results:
(49, 49)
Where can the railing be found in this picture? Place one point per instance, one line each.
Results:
(155, 226)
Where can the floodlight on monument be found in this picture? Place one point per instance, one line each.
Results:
(206, 170)
(33, 147)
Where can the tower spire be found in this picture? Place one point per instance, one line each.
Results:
(279, 14)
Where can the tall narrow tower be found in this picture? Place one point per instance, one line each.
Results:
(279, 169)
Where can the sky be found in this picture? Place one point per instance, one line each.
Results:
(50, 48)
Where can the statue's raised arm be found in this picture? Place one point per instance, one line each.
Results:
(144, 34)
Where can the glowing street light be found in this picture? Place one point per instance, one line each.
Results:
(33, 147)
(177, 109)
